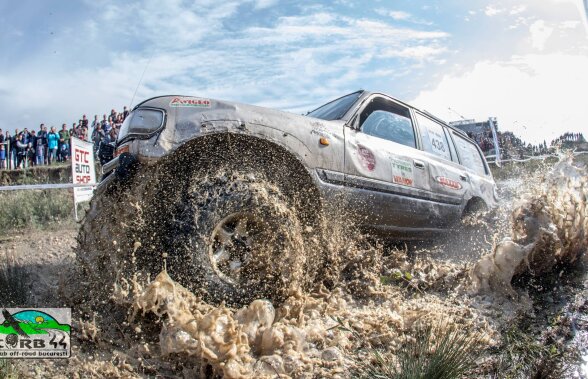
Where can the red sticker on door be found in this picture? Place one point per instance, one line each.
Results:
(367, 158)
(446, 182)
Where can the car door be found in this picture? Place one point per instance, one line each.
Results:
(481, 183)
(448, 180)
(382, 164)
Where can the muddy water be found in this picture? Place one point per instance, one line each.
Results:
(380, 296)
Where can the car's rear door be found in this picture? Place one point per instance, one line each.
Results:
(478, 172)
(384, 167)
(448, 180)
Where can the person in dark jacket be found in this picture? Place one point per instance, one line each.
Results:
(31, 153)
(13, 149)
(21, 151)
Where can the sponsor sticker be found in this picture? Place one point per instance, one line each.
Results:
(35, 333)
(367, 158)
(449, 183)
(321, 131)
(402, 172)
(189, 102)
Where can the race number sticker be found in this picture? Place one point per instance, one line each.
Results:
(402, 172)
(438, 144)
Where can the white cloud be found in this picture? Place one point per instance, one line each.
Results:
(402, 16)
(416, 52)
(540, 33)
(517, 9)
(491, 11)
(399, 15)
(536, 96)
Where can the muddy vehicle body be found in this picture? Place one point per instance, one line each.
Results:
(387, 167)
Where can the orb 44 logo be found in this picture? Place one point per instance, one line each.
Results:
(35, 333)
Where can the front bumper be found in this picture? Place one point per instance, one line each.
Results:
(118, 169)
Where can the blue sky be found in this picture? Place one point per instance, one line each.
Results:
(525, 62)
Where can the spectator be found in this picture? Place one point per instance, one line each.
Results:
(1, 136)
(2, 154)
(125, 113)
(64, 143)
(52, 145)
(113, 134)
(25, 136)
(21, 151)
(13, 152)
(107, 125)
(7, 143)
(41, 149)
(32, 155)
(97, 137)
(84, 122)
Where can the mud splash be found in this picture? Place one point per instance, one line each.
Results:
(549, 227)
(301, 338)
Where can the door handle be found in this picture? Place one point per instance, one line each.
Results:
(419, 165)
(463, 177)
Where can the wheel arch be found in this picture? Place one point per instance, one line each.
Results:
(474, 204)
(276, 160)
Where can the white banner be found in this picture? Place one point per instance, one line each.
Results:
(82, 168)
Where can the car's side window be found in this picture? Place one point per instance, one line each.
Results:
(469, 155)
(433, 137)
(387, 120)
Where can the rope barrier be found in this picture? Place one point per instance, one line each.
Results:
(44, 186)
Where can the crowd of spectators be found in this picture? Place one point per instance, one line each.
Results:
(512, 146)
(484, 140)
(48, 146)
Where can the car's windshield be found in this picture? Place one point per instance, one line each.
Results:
(336, 108)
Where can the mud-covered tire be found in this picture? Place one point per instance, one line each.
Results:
(269, 258)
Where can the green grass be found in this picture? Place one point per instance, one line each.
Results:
(34, 209)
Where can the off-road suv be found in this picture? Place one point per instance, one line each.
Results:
(234, 194)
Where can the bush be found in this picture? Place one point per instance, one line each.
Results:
(34, 208)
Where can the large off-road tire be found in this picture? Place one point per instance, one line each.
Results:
(171, 216)
(238, 239)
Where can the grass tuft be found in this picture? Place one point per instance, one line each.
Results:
(441, 351)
